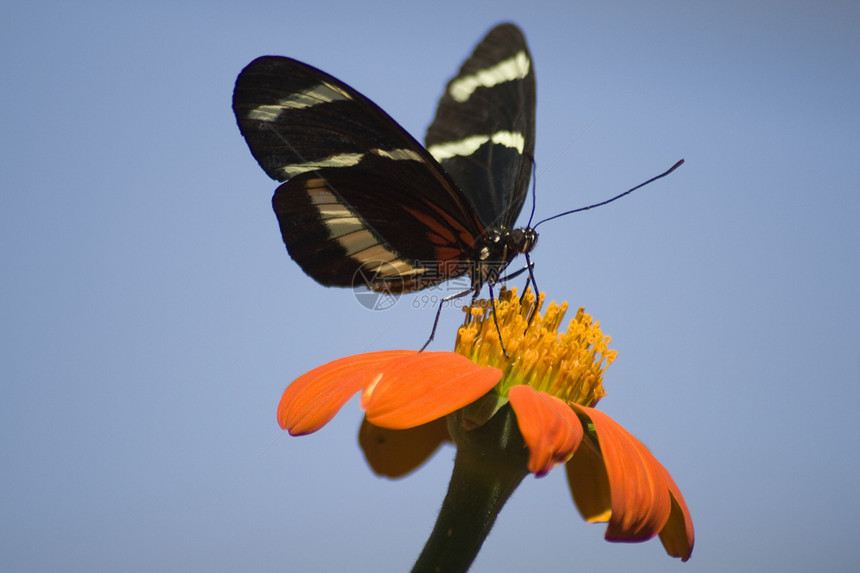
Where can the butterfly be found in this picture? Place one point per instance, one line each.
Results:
(363, 202)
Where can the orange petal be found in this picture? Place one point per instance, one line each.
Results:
(395, 453)
(315, 397)
(639, 492)
(419, 388)
(677, 535)
(551, 430)
(589, 484)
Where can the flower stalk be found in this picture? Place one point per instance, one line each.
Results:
(490, 463)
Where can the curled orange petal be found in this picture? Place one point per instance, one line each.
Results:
(639, 492)
(418, 388)
(677, 535)
(315, 397)
(551, 430)
(395, 453)
(589, 484)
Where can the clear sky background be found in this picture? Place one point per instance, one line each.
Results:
(151, 316)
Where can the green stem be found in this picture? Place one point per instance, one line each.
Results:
(489, 465)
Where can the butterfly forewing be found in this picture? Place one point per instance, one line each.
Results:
(361, 194)
(484, 130)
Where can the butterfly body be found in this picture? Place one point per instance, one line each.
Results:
(363, 203)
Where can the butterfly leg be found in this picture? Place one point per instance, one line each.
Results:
(530, 267)
(496, 320)
(512, 275)
(442, 303)
(531, 279)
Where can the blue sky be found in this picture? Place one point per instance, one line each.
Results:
(151, 317)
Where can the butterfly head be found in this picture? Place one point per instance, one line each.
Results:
(499, 249)
(521, 241)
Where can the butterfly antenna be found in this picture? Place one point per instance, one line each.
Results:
(629, 191)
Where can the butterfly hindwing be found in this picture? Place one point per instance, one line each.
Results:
(484, 130)
(320, 224)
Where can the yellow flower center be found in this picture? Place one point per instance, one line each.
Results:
(569, 365)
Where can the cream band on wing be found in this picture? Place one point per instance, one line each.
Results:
(468, 146)
(514, 68)
(316, 95)
(348, 160)
(350, 232)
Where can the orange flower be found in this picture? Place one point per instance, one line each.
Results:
(415, 401)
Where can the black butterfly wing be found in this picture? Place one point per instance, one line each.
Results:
(484, 130)
(339, 243)
(363, 199)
